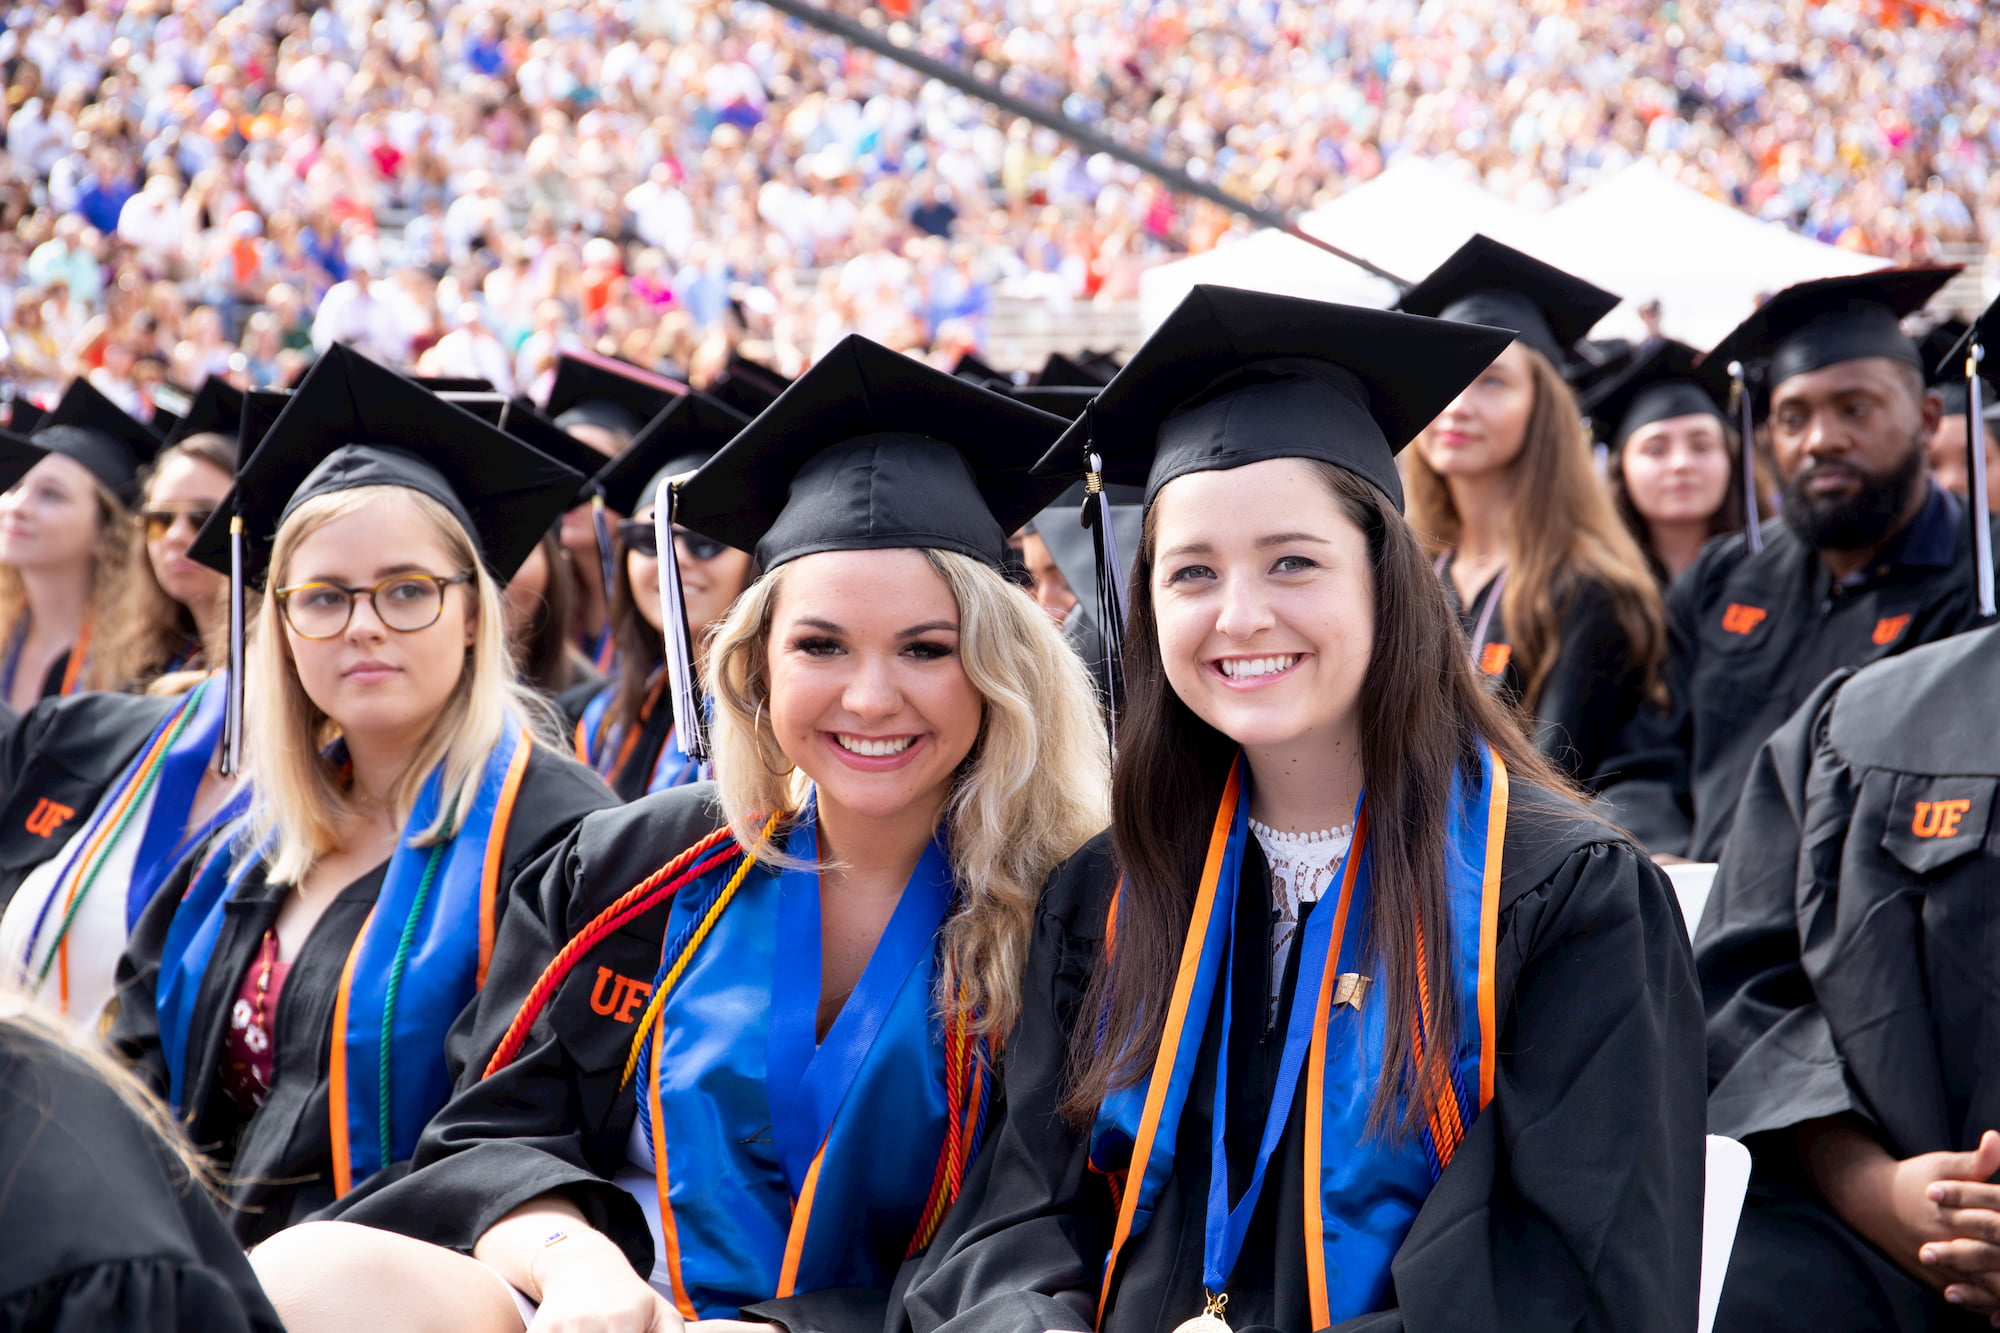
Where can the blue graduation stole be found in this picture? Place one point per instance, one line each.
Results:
(792, 1165)
(1363, 1190)
(417, 961)
(604, 746)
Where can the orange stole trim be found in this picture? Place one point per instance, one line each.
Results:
(489, 880)
(1489, 928)
(670, 1236)
(1163, 1063)
(73, 670)
(1316, 1086)
(795, 1242)
(631, 741)
(579, 746)
(79, 868)
(336, 1071)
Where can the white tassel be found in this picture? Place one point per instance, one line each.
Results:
(1975, 443)
(689, 724)
(232, 703)
(1740, 391)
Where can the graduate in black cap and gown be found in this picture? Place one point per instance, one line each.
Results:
(765, 1053)
(1846, 961)
(1672, 457)
(1867, 559)
(1357, 1018)
(1557, 603)
(290, 989)
(625, 729)
(66, 533)
(605, 406)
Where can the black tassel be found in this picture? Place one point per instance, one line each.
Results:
(1975, 444)
(1739, 398)
(689, 724)
(1096, 516)
(232, 704)
(600, 526)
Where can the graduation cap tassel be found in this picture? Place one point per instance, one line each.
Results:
(1110, 585)
(689, 724)
(600, 525)
(232, 704)
(1975, 443)
(1739, 403)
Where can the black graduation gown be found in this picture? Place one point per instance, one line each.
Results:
(56, 766)
(556, 1119)
(1846, 953)
(1748, 638)
(279, 1159)
(102, 1228)
(1594, 684)
(1574, 1203)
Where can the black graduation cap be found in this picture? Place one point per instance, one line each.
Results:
(452, 383)
(489, 406)
(1935, 347)
(588, 393)
(1236, 377)
(261, 408)
(1060, 371)
(96, 432)
(353, 423)
(746, 386)
(217, 409)
(869, 450)
(531, 428)
(1065, 401)
(1812, 325)
(1661, 385)
(1967, 358)
(678, 440)
(22, 416)
(970, 367)
(1485, 282)
(17, 455)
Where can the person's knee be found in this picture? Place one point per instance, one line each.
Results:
(304, 1269)
(337, 1276)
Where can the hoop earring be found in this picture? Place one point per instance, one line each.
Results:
(757, 731)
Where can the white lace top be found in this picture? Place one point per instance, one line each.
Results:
(1302, 868)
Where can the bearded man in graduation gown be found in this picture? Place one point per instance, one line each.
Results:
(1869, 559)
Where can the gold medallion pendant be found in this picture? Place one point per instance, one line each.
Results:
(1210, 1320)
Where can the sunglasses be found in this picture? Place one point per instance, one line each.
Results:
(641, 536)
(159, 522)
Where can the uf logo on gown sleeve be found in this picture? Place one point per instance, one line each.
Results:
(1493, 658)
(1939, 819)
(47, 817)
(619, 997)
(1889, 629)
(1740, 619)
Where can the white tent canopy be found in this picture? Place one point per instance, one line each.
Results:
(1645, 235)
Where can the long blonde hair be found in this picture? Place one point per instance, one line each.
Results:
(1562, 528)
(110, 661)
(302, 802)
(1034, 788)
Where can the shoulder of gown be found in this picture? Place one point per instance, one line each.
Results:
(103, 1227)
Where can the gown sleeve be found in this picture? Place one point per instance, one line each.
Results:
(528, 1129)
(1025, 1245)
(1772, 1062)
(1646, 783)
(1591, 686)
(1575, 1201)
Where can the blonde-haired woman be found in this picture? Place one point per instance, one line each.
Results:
(1560, 607)
(291, 987)
(751, 1079)
(66, 541)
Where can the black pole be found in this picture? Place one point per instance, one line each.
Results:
(848, 30)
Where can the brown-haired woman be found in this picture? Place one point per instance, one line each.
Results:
(1555, 596)
(171, 612)
(66, 541)
(1437, 1067)
(1674, 461)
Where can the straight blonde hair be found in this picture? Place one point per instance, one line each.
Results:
(302, 801)
(1034, 788)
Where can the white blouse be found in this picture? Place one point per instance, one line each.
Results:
(1302, 868)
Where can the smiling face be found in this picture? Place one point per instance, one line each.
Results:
(1677, 470)
(868, 696)
(188, 488)
(1265, 612)
(51, 519)
(369, 679)
(708, 587)
(1482, 431)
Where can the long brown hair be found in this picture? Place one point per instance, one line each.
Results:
(641, 648)
(1422, 714)
(544, 652)
(1562, 531)
(144, 629)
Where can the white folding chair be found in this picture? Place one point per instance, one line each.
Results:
(1727, 1180)
(1691, 885)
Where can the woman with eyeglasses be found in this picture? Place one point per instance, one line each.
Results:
(66, 541)
(626, 729)
(750, 1087)
(290, 988)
